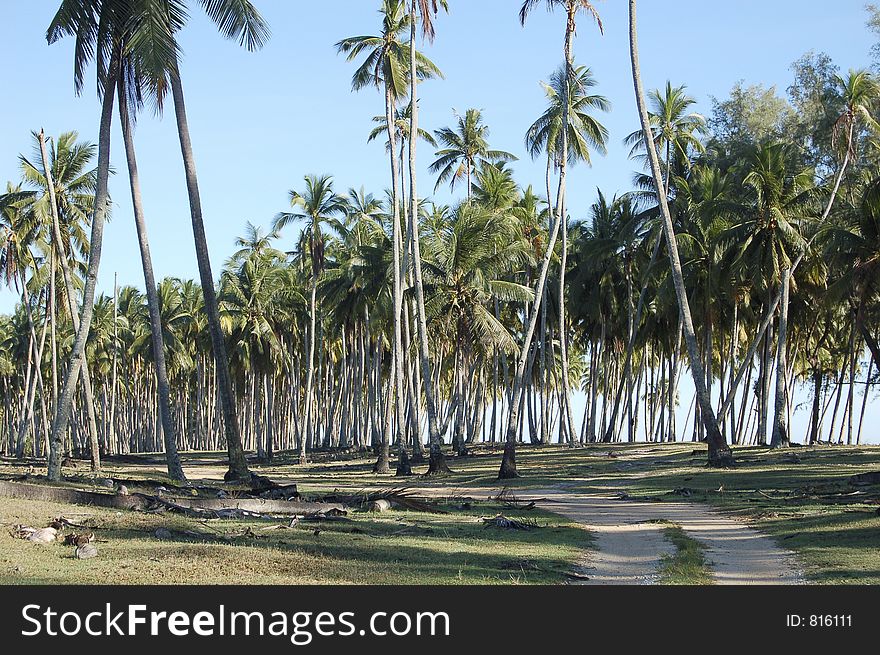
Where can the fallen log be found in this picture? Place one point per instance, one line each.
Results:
(136, 501)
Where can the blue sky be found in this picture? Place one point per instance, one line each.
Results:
(261, 121)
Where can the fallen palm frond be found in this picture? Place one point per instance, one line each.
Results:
(501, 521)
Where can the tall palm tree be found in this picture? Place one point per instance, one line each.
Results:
(97, 37)
(559, 215)
(134, 76)
(316, 205)
(427, 10)
(584, 133)
(466, 147)
(60, 198)
(386, 65)
(240, 20)
(719, 451)
(58, 240)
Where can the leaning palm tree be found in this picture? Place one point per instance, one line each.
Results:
(719, 451)
(58, 240)
(558, 216)
(236, 19)
(97, 37)
(386, 65)
(466, 147)
(316, 205)
(134, 77)
(60, 198)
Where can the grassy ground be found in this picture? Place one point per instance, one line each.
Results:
(396, 547)
(801, 497)
(688, 565)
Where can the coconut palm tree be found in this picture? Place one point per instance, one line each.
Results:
(316, 205)
(386, 65)
(82, 20)
(239, 20)
(426, 10)
(559, 215)
(466, 147)
(61, 215)
(719, 451)
(584, 133)
(470, 258)
(128, 87)
(676, 130)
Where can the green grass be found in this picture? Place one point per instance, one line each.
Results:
(397, 547)
(799, 496)
(688, 565)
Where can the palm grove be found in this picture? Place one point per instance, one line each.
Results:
(744, 257)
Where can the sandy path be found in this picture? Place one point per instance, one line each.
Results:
(629, 547)
(630, 544)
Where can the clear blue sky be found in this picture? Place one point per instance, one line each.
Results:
(260, 121)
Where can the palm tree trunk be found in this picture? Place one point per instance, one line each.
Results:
(561, 210)
(780, 424)
(238, 468)
(437, 461)
(65, 267)
(309, 410)
(169, 433)
(508, 460)
(102, 196)
(396, 396)
(719, 451)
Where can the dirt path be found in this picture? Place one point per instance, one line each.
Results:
(630, 543)
(629, 546)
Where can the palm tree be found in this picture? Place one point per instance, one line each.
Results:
(466, 147)
(855, 245)
(676, 130)
(316, 205)
(148, 32)
(249, 293)
(81, 19)
(60, 198)
(427, 9)
(766, 241)
(129, 87)
(558, 217)
(58, 240)
(386, 65)
(583, 133)
(471, 256)
(719, 451)
(236, 19)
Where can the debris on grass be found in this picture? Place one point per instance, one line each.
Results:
(501, 521)
(507, 497)
(86, 551)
